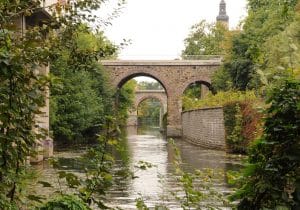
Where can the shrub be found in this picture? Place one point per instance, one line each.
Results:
(65, 202)
(219, 99)
(242, 125)
(272, 178)
(241, 119)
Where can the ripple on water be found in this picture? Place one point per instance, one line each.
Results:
(156, 183)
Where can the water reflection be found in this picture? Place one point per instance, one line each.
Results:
(148, 144)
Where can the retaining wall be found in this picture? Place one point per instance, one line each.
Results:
(204, 127)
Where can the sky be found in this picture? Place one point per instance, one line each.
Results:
(157, 28)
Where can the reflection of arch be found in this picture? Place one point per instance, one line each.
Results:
(142, 95)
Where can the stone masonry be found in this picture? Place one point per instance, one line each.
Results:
(204, 127)
(175, 76)
(140, 96)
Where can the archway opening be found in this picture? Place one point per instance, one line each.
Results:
(150, 113)
(142, 101)
(193, 93)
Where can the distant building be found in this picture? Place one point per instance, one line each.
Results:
(223, 17)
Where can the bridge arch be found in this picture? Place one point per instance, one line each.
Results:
(206, 86)
(142, 95)
(202, 81)
(174, 76)
(128, 77)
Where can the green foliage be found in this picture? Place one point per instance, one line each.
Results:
(80, 97)
(221, 80)
(140, 204)
(149, 112)
(77, 106)
(242, 125)
(195, 187)
(282, 54)
(145, 85)
(241, 119)
(218, 100)
(240, 67)
(91, 189)
(271, 179)
(204, 39)
(65, 202)
(234, 138)
(22, 92)
(23, 87)
(195, 195)
(193, 91)
(251, 47)
(125, 98)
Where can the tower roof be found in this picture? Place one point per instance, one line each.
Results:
(222, 12)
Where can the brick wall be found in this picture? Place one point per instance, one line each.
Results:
(204, 127)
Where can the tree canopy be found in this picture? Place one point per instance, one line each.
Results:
(205, 39)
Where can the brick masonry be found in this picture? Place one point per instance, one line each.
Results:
(175, 76)
(204, 127)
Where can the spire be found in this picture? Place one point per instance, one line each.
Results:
(223, 17)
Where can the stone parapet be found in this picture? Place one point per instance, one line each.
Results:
(204, 127)
(174, 75)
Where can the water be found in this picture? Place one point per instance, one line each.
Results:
(156, 183)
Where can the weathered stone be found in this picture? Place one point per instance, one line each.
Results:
(48, 148)
(140, 96)
(204, 127)
(175, 76)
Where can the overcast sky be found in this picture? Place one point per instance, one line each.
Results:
(157, 28)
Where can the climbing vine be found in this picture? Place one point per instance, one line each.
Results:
(22, 87)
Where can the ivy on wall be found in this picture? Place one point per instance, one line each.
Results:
(242, 125)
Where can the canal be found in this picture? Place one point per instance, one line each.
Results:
(157, 184)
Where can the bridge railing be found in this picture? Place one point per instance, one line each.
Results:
(202, 57)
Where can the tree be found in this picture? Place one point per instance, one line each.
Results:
(265, 20)
(81, 99)
(272, 176)
(149, 111)
(282, 54)
(145, 85)
(125, 99)
(22, 89)
(205, 39)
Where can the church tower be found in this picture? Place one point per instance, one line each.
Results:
(223, 17)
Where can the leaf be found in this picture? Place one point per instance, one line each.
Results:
(36, 198)
(45, 184)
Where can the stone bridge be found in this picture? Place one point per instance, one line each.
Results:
(142, 95)
(175, 76)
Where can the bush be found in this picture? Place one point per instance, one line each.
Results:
(241, 119)
(219, 99)
(65, 202)
(242, 125)
(272, 177)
